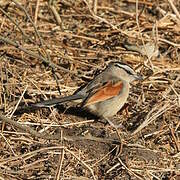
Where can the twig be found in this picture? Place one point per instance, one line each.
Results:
(57, 82)
(28, 16)
(60, 162)
(98, 18)
(25, 128)
(32, 54)
(1, 134)
(152, 115)
(82, 162)
(169, 42)
(16, 24)
(137, 22)
(129, 170)
(95, 2)
(174, 9)
(30, 154)
(36, 12)
(55, 137)
(18, 102)
(177, 145)
(55, 13)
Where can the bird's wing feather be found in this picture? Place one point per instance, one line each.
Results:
(107, 91)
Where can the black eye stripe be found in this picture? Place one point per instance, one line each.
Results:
(129, 72)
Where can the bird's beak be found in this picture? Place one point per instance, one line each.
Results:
(138, 77)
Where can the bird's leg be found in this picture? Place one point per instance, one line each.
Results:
(116, 129)
(112, 124)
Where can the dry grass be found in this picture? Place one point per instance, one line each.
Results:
(51, 48)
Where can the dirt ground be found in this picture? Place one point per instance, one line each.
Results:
(49, 49)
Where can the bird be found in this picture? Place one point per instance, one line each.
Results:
(105, 94)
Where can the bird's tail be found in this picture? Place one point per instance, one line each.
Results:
(53, 102)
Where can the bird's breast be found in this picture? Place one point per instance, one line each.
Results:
(111, 106)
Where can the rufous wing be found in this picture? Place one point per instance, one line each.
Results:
(108, 91)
